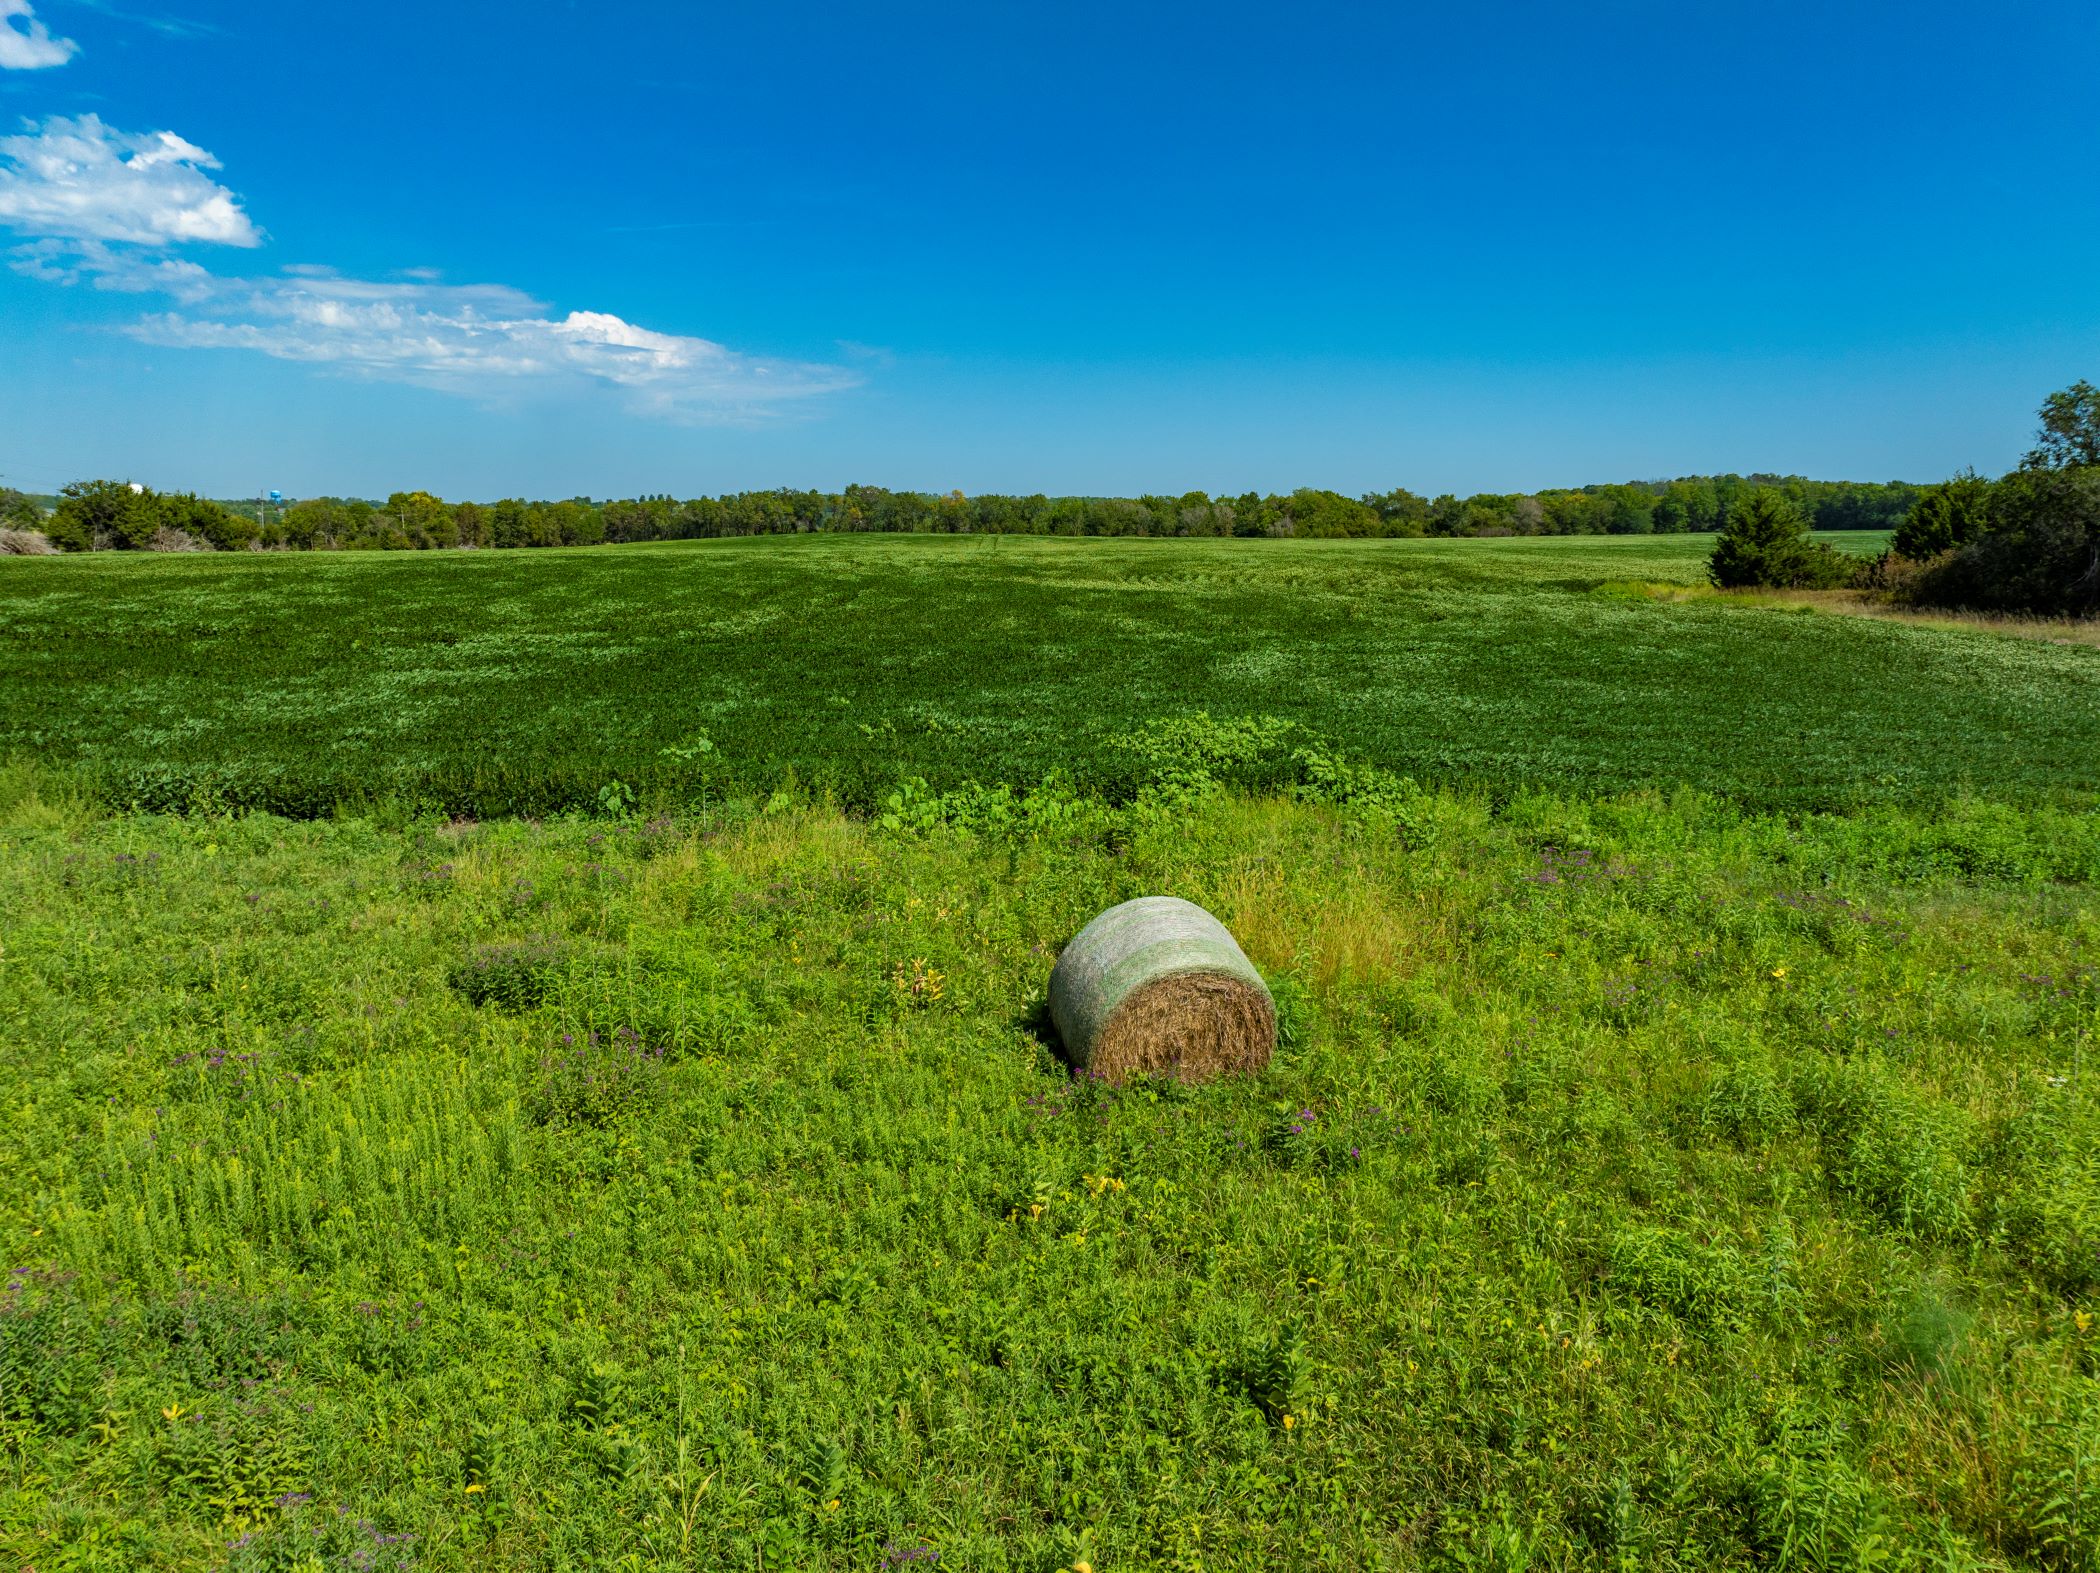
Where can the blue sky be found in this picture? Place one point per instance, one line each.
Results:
(555, 249)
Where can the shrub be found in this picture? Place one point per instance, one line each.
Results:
(592, 1078)
(1895, 575)
(1747, 1105)
(113, 516)
(1766, 543)
(2039, 550)
(1261, 1365)
(19, 509)
(26, 543)
(2040, 1198)
(1189, 755)
(1945, 518)
(306, 1535)
(1810, 1506)
(104, 516)
(1923, 1331)
(513, 977)
(191, 515)
(2031, 543)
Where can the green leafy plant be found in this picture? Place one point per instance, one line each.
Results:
(510, 975)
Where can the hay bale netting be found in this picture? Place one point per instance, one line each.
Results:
(1158, 986)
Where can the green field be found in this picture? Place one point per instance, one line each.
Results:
(493, 683)
(1638, 1184)
(1682, 1150)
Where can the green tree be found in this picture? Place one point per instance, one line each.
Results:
(1566, 511)
(204, 520)
(1945, 517)
(572, 523)
(1400, 511)
(2039, 550)
(94, 514)
(1861, 505)
(2070, 433)
(509, 523)
(316, 523)
(1328, 515)
(471, 522)
(1766, 542)
(421, 520)
(1700, 502)
(1627, 510)
(18, 511)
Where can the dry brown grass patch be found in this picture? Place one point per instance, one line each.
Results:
(1877, 606)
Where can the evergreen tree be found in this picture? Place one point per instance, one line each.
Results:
(1766, 542)
(104, 513)
(1944, 517)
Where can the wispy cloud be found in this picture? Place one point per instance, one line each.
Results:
(111, 210)
(26, 44)
(170, 26)
(482, 340)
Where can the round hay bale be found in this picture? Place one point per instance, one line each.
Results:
(1158, 986)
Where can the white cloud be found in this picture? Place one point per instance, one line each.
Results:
(113, 268)
(82, 180)
(104, 208)
(482, 340)
(29, 47)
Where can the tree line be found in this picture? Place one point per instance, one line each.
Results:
(2026, 542)
(116, 515)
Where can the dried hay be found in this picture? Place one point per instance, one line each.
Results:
(1191, 1027)
(26, 543)
(1157, 986)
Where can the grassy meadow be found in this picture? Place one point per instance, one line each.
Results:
(569, 1088)
(510, 682)
(1640, 1181)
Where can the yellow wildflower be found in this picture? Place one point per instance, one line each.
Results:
(919, 983)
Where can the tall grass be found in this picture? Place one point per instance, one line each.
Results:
(1641, 1181)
